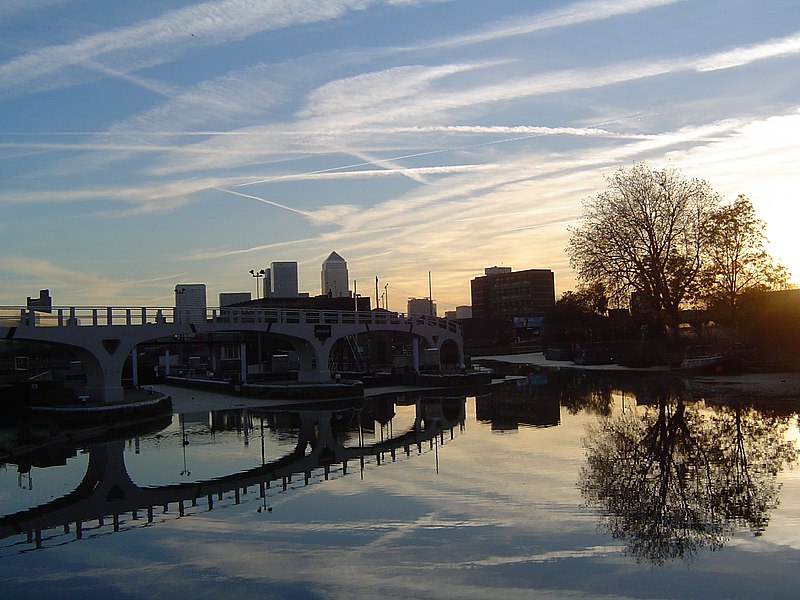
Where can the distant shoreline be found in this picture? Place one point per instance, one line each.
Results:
(783, 385)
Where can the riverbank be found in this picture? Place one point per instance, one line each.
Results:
(783, 385)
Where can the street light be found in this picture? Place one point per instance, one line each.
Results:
(386, 292)
(257, 275)
(179, 308)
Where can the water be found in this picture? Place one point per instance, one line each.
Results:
(567, 488)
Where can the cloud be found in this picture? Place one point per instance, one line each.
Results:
(213, 254)
(381, 88)
(58, 275)
(83, 283)
(744, 55)
(572, 14)
(12, 8)
(215, 104)
(369, 110)
(166, 37)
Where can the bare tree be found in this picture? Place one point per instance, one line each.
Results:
(645, 234)
(736, 259)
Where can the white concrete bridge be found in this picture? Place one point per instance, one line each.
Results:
(103, 338)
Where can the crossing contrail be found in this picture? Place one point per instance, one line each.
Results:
(393, 158)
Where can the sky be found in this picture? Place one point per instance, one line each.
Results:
(145, 144)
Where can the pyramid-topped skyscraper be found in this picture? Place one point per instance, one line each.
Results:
(335, 279)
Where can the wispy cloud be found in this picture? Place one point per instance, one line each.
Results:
(168, 36)
(364, 148)
(332, 121)
(12, 8)
(59, 275)
(213, 254)
(572, 14)
(744, 55)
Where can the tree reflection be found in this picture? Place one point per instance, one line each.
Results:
(672, 480)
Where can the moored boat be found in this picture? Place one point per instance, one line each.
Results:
(717, 363)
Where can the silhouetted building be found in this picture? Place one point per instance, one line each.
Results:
(304, 302)
(461, 312)
(421, 306)
(190, 303)
(44, 303)
(335, 278)
(283, 279)
(505, 294)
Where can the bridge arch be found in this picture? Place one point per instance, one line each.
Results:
(105, 337)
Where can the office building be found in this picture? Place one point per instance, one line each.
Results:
(283, 280)
(421, 306)
(505, 294)
(461, 312)
(335, 278)
(190, 303)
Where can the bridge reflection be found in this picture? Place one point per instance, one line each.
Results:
(107, 498)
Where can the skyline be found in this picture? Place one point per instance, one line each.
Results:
(143, 146)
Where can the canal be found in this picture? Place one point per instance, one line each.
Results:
(548, 486)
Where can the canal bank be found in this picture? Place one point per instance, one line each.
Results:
(780, 385)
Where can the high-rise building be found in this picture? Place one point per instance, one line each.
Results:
(505, 294)
(190, 303)
(421, 306)
(461, 312)
(266, 289)
(335, 278)
(283, 279)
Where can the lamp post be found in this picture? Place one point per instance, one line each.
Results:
(386, 292)
(184, 443)
(257, 275)
(430, 294)
(179, 308)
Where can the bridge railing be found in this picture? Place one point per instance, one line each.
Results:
(81, 316)
(72, 316)
(324, 317)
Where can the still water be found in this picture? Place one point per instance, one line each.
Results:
(540, 488)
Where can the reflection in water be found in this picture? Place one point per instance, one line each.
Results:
(671, 479)
(326, 440)
(528, 401)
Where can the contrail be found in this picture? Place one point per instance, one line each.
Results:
(393, 158)
(265, 201)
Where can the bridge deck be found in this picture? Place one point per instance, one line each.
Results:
(92, 316)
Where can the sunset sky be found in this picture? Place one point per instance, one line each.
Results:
(145, 144)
